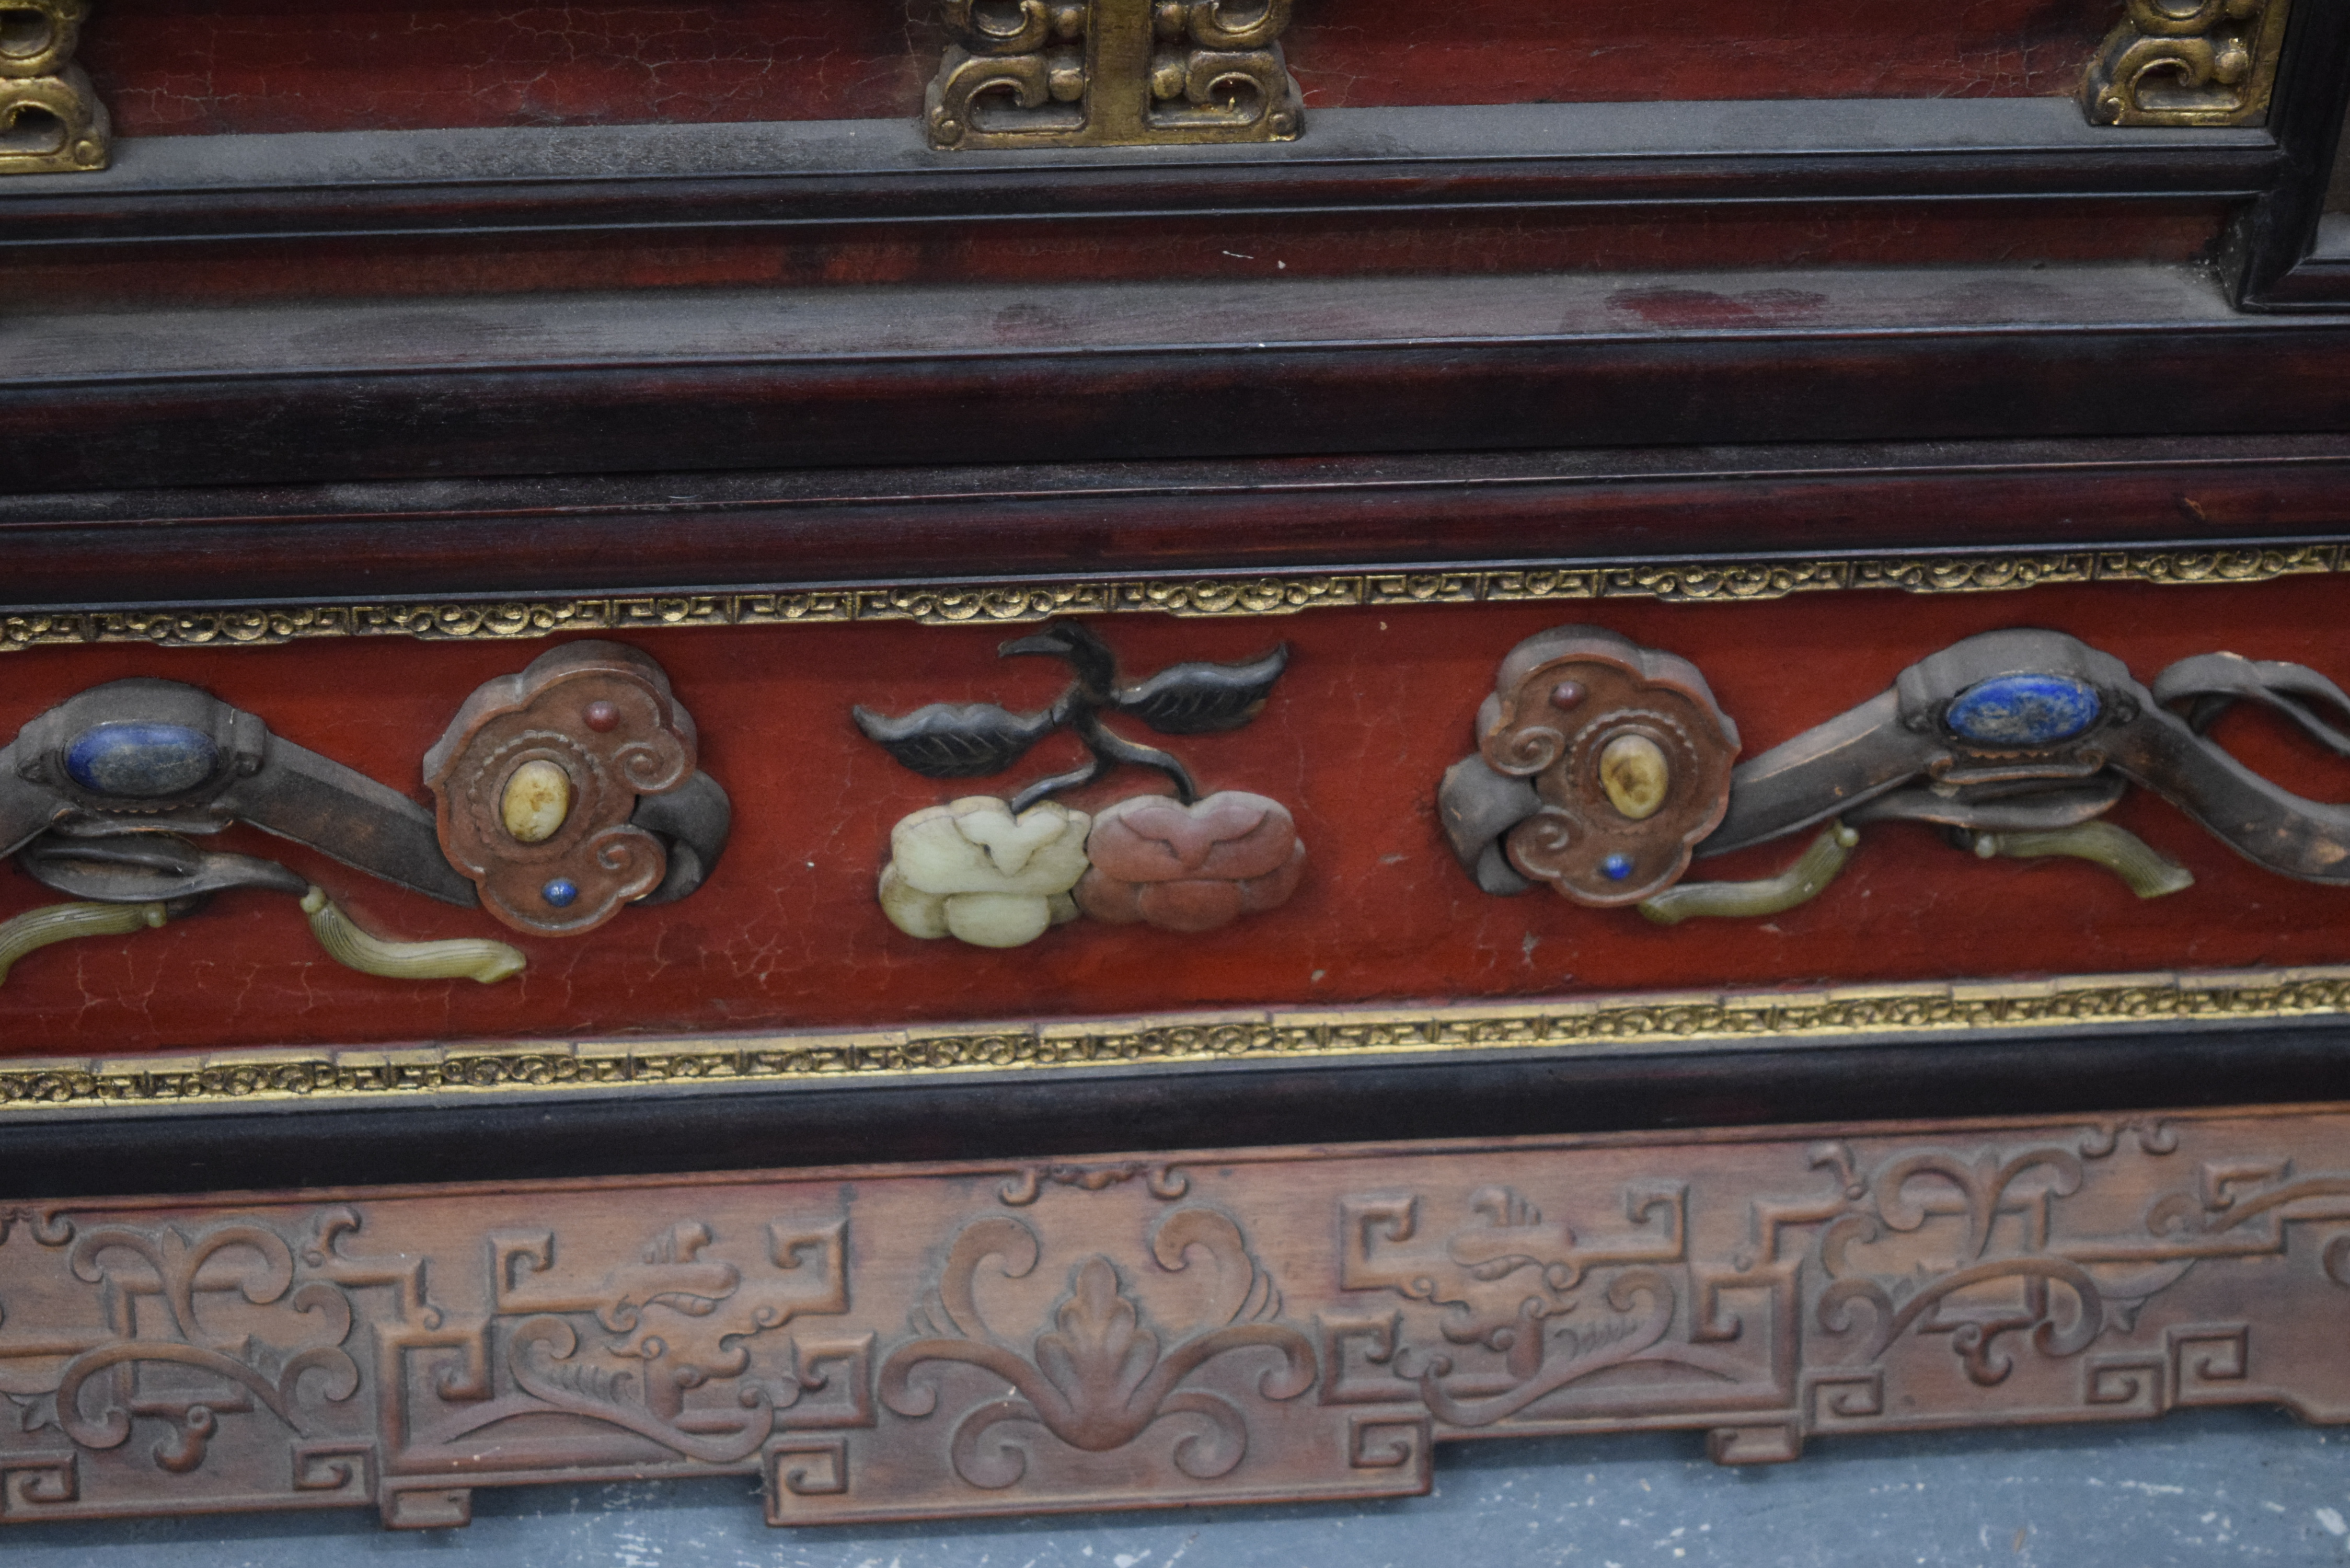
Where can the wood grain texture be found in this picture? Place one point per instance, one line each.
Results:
(909, 1341)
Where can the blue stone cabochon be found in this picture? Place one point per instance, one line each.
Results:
(141, 761)
(2023, 709)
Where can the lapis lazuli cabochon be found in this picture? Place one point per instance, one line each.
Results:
(140, 762)
(2024, 710)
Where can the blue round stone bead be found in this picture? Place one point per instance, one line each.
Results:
(560, 893)
(1617, 867)
(140, 762)
(2024, 710)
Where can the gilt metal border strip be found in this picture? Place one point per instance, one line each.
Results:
(982, 602)
(1646, 1023)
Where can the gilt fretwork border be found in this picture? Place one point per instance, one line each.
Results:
(1709, 1021)
(990, 603)
(940, 1341)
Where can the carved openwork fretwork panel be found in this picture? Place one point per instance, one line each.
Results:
(50, 120)
(2203, 62)
(1105, 73)
(920, 1343)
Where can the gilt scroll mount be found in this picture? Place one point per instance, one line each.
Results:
(1111, 73)
(51, 121)
(2188, 63)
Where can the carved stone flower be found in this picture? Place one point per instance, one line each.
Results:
(1191, 868)
(973, 871)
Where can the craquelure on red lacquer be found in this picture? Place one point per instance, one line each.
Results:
(215, 67)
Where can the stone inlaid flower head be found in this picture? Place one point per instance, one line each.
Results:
(972, 871)
(1184, 863)
(1191, 868)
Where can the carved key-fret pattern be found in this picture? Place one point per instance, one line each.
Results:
(910, 1342)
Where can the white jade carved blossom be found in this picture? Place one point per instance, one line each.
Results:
(971, 871)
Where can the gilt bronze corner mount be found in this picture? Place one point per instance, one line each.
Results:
(2188, 62)
(50, 120)
(1112, 73)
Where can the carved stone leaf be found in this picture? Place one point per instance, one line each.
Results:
(956, 740)
(1199, 699)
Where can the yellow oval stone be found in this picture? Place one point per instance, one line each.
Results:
(537, 800)
(1633, 771)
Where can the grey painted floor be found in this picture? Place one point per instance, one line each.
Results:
(2211, 1488)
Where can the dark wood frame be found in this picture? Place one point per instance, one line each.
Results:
(2286, 260)
(2076, 363)
(557, 536)
(1407, 166)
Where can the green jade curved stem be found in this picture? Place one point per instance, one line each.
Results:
(1799, 884)
(2150, 873)
(465, 959)
(38, 928)
(469, 957)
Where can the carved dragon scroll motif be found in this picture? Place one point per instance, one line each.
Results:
(1283, 1325)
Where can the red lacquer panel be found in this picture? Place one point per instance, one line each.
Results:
(1375, 705)
(210, 67)
(213, 67)
(1362, 53)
